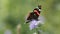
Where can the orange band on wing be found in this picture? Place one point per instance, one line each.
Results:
(37, 13)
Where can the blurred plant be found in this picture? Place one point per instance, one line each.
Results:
(13, 22)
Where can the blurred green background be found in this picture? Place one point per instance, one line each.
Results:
(13, 12)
